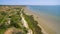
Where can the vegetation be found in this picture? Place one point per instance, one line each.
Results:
(11, 17)
(14, 18)
(32, 24)
(2, 31)
(3, 26)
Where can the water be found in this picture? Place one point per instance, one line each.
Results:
(49, 9)
(51, 13)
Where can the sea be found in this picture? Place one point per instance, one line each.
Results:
(49, 9)
(51, 13)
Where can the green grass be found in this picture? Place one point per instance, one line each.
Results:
(32, 24)
(2, 31)
(16, 22)
(15, 19)
(3, 28)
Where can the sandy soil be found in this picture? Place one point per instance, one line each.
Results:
(12, 30)
(9, 31)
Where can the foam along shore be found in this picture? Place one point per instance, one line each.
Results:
(45, 29)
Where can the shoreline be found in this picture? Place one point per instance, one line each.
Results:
(39, 20)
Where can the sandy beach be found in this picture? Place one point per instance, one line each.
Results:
(41, 21)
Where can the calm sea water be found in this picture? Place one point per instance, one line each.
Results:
(49, 9)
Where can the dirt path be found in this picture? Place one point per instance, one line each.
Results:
(26, 25)
(9, 31)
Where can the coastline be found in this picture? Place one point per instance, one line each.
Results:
(45, 29)
(47, 26)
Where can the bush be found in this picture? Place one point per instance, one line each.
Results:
(33, 24)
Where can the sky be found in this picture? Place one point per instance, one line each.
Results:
(29, 2)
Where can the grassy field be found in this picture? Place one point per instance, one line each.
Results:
(12, 14)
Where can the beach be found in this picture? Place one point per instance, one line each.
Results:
(41, 22)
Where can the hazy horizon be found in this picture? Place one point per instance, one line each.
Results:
(29, 2)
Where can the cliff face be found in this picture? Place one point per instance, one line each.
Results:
(13, 20)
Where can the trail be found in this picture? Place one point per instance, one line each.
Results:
(26, 25)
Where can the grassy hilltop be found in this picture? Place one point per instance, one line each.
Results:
(10, 17)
